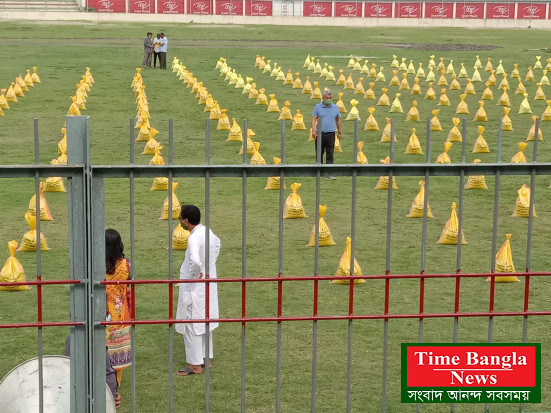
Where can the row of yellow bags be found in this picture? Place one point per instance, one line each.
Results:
(17, 89)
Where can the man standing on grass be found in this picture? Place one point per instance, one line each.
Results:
(192, 296)
(330, 118)
(162, 51)
(147, 50)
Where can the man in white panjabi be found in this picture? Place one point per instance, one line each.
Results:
(192, 296)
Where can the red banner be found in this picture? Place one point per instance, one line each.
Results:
(439, 10)
(229, 7)
(469, 10)
(500, 11)
(170, 6)
(199, 7)
(407, 10)
(258, 8)
(531, 11)
(378, 10)
(141, 6)
(317, 9)
(108, 6)
(348, 9)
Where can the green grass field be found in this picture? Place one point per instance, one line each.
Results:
(113, 51)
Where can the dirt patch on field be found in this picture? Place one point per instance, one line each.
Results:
(441, 47)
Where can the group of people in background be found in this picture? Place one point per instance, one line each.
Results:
(154, 49)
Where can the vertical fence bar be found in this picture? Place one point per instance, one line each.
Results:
(424, 240)
(77, 154)
(529, 238)
(38, 266)
(387, 267)
(352, 272)
(207, 270)
(316, 292)
(170, 271)
(244, 267)
(132, 273)
(494, 239)
(279, 304)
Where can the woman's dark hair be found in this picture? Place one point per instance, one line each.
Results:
(113, 249)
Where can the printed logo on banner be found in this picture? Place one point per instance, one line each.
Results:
(259, 9)
(499, 11)
(170, 7)
(469, 11)
(200, 7)
(409, 10)
(141, 6)
(105, 6)
(378, 10)
(228, 8)
(471, 373)
(318, 10)
(346, 9)
(439, 10)
(531, 11)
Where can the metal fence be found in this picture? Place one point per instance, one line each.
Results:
(87, 257)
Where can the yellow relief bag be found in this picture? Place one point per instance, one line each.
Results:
(273, 182)
(444, 100)
(418, 206)
(504, 99)
(179, 238)
(444, 157)
(235, 132)
(298, 121)
(150, 147)
(451, 229)
(480, 145)
(340, 104)
(462, 108)
(476, 181)
(519, 157)
(385, 137)
(29, 238)
(325, 238)
(261, 99)
(487, 94)
(344, 265)
(547, 112)
(369, 93)
(435, 122)
(360, 157)
(175, 205)
(44, 210)
(522, 204)
(316, 93)
(382, 183)
(371, 123)
(521, 89)
(396, 105)
(359, 88)
(54, 183)
(273, 105)
(307, 87)
(144, 134)
(35, 77)
(506, 123)
(293, 204)
(414, 146)
(480, 115)
(338, 148)
(504, 263)
(286, 111)
(250, 143)
(525, 106)
(349, 84)
(413, 113)
(455, 135)
(532, 132)
(13, 271)
(256, 157)
(540, 95)
(353, 114)
(383, 100)
(223, 121)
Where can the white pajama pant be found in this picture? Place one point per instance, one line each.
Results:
(195, 346)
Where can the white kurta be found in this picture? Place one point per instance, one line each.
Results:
(193, 294)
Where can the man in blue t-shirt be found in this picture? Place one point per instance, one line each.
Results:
(330, 121)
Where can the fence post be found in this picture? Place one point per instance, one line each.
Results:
(86, 247)
(77, 154)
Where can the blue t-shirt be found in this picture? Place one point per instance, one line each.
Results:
(327, 115)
